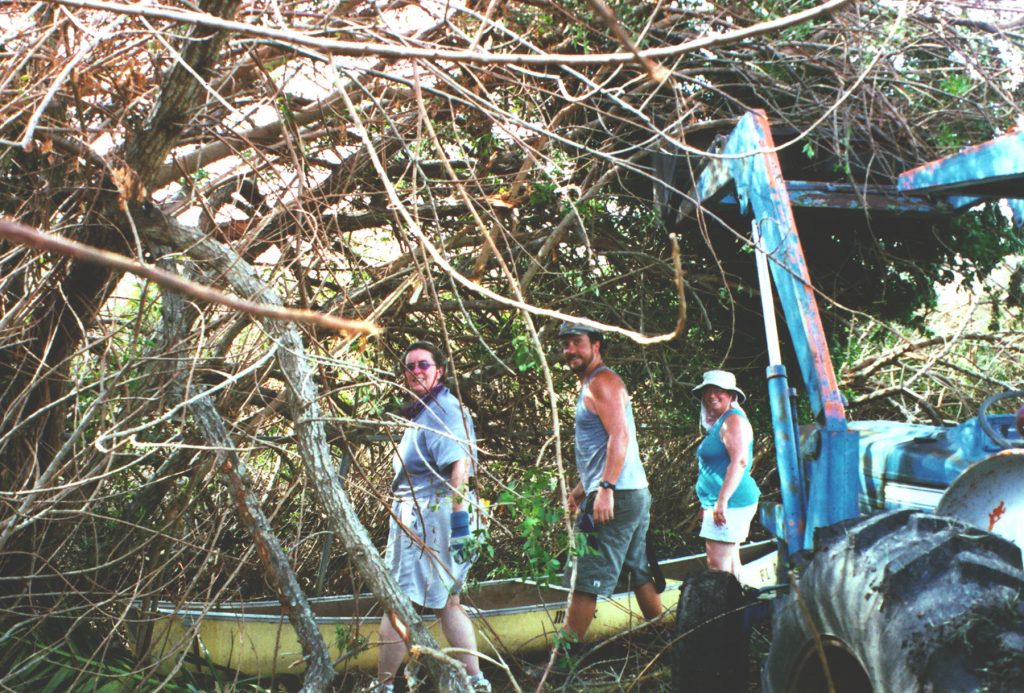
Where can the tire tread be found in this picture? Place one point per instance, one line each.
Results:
(899, 590)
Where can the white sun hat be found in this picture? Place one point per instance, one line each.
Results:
(722, 379)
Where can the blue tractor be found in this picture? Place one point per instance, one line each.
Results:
(900, 544)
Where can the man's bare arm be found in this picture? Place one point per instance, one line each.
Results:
(607, 398)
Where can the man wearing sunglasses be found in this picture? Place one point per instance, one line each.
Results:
(612, 496)
(434, 513)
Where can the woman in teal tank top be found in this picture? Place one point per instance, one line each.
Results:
(727, 493)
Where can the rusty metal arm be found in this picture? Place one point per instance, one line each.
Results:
(829, 494)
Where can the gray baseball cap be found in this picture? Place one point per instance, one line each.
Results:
(567, 329)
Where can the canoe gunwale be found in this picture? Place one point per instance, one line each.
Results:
(238, 609)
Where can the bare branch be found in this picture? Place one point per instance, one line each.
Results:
(19, 233)
(352, 49)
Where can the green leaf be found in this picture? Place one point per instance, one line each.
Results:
(57, 679)
(111, 687)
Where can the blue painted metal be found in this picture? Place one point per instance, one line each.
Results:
(873, 199)
(749, 155)
(713, 179)
(1017, 209)
(757, 173)
(994, 169)
(960, 202)
(769, 513)
(792, 522)
(899, 455)
(841, 469)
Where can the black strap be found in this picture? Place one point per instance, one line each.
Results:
(655, 568)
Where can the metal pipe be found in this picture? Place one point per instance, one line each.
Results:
(764, 281)
(787, 460)
(784, 429)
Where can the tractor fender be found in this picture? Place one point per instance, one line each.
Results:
(989, 495)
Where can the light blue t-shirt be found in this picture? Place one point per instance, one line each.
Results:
(592, 446)
(713, 461)
(441, 434)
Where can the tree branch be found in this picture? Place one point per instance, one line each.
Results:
(354, 49)
(19, 233)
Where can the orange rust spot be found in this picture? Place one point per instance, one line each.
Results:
(996, 514)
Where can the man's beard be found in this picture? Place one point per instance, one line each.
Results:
(580, 366)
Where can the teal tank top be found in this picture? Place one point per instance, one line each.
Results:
(713, 460)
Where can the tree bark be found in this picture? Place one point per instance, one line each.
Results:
(319, 670)
(178, 94)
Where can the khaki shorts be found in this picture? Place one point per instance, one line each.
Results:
(735, 529)
(616, 546)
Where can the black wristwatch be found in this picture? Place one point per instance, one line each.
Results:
(606, 484)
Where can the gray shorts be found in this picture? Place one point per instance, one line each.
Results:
(418, 555)
(619, 545)
(735, 529)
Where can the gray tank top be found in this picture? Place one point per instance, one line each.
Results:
(592, 446)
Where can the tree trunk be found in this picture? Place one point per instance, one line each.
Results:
(310, 434)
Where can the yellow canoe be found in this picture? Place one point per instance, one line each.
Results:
(510, 616)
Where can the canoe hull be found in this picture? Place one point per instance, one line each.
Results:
(257, 644)
(510, 616)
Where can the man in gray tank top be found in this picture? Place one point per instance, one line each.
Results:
(612, 497)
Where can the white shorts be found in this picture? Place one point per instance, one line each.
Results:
(735, 529)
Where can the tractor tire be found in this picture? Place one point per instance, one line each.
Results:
(709, 652)
(898, 602)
